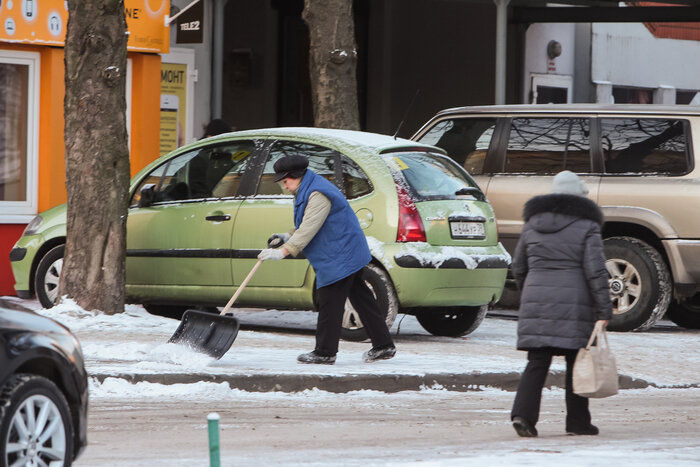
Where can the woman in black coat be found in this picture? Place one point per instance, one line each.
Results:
(559, 265)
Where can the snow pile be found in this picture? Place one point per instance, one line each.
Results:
(135, 342)
(134, 319)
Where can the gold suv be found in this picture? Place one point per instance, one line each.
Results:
(639, 164)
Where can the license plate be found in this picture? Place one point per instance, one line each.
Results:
(462, 229)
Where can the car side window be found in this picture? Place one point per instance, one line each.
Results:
(321, 161)
(356, 183)
(644, 145)
(466, 140)
(210, 172)
(548, 145)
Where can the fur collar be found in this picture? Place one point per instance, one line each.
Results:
(559, 203)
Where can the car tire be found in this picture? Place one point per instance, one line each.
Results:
(452, 321)
(685, 313)
(380, 284)
(640, 284)
(25, 396)
(47, 276)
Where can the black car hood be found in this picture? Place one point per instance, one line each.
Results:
(15, 318)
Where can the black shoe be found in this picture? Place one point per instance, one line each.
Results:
(524, 428)
(589, 430)
(313, 357)
(379, 353)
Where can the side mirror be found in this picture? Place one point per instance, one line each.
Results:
(148, 195)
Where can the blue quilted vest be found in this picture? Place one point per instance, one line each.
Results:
(339, 249)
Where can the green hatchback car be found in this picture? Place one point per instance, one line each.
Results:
(199, 216)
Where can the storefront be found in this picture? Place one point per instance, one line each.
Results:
(32, 164)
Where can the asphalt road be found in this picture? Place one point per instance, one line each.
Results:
(638, 427)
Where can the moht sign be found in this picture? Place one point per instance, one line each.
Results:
(44, 22)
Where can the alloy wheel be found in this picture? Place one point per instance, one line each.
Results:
(625, 284)
(37, 434)
(51, 281)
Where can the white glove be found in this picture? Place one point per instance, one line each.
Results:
(278, 240)
(271, 253)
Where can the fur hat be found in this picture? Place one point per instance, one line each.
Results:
(569, 183)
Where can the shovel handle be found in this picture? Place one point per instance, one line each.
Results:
(241, 287)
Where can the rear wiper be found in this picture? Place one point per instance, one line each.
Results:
(471, 190)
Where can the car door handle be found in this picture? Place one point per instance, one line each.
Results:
(218, 218)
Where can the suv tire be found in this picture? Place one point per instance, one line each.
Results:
(685, 313)
(47, 276)
(640, 284)
(380, 284)
(22, 397)
(452, 321)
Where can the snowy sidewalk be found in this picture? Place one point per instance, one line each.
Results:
(133, 346)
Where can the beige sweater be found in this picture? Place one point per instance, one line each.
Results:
(315, 214)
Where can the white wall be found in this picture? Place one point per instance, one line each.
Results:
(629, 55)
(536, 61)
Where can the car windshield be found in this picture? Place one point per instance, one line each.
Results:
(431, 176)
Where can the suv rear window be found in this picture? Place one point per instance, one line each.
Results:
(645, 145)
(430, 176)
(466, 140)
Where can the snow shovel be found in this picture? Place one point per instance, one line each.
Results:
(207, 333)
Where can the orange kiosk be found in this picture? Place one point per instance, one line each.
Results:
(32, 162)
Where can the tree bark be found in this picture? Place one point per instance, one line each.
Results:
(97, 156)
(332, 63)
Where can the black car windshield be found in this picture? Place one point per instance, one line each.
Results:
(432, 176)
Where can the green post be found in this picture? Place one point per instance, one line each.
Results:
(214, 449)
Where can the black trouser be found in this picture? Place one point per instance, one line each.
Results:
(529, 395)
(331, 306)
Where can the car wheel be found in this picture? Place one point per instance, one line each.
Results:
(685, 313)
(381, 286)
(640, 284)
(47, 275)
(452, 321)
(36, 424)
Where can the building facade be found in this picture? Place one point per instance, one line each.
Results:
(32, 162)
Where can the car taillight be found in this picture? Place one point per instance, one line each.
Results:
(410, 224)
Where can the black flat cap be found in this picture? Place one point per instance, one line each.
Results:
(290, 166)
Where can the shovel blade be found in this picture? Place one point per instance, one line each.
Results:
(206, 332)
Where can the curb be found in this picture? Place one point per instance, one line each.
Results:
(341, 384)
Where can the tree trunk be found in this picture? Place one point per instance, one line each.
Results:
(332, 63)
(97, 156)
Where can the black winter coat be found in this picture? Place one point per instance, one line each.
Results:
(559, 265)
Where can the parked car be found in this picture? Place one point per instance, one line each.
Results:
(641, 168)
(43, 390)
(200, 215)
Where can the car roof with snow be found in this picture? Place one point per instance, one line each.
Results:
(372, 141)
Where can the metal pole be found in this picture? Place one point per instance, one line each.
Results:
(217, 59)
(501, 32)
(214, 447)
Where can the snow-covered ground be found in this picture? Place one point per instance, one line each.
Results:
(653, 426)
(136, 342)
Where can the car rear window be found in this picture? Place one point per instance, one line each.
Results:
(430, 176)
(645, 145)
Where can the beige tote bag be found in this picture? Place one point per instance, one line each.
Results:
(595, 372)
